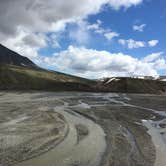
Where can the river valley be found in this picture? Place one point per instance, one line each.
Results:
(82, 129)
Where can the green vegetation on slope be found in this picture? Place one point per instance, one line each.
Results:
(22, 78)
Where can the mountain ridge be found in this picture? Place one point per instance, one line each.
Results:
(8, 56)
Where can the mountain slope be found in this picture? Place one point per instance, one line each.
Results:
(8, 56)
(21, 78)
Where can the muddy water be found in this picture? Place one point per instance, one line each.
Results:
(89, 151)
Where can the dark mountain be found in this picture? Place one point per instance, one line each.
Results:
(10, 57)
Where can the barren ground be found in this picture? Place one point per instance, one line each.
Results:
(83, 129)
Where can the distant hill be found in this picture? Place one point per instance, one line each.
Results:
(20, 73)
(8, 56)
(133, 85)
(162, 78)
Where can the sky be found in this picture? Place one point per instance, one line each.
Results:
(88, 38)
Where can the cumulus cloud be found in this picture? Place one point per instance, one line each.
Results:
(111, 35)
(116, 4)
(160, 64)
(152, 57)
(91, 63)
(40, 16)
(35, 40)
(132, 43)
(157, 59)
(97, 28)
(80, 34)
(153, 43)
(26, 44)
(139, 28)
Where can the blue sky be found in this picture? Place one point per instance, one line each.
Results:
(109, 38)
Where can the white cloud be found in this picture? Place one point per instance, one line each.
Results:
(94, 64)
(152, 57)
(97, 28)
(111, 35)
(132, 43)
(160, 64)
(139, 28)
(21, 20)
(122, 42)
(116, 4)
(135, 44)
(44, 16)
(80, 34)
(157, 59)
(26, 44)
(153, 43)
(35, 40)
(53, 40)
